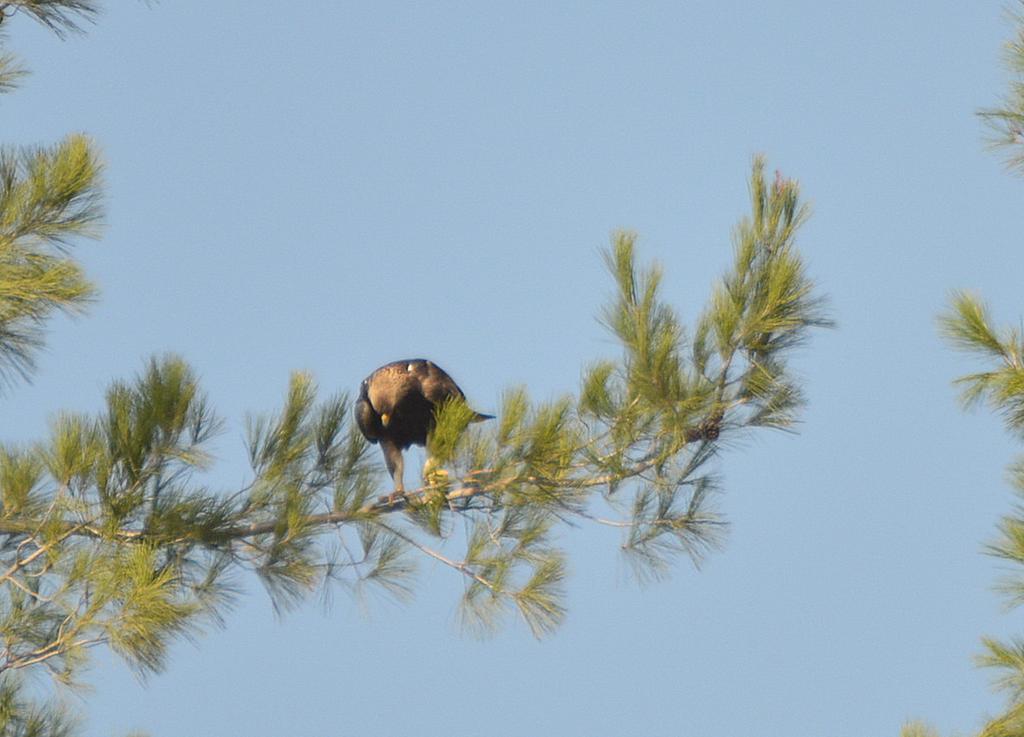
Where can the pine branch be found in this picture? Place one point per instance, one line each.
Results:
(107, 536)
(48, 197)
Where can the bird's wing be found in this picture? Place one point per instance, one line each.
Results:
(438, 387)
(366, 419)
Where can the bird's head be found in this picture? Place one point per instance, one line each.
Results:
(385, 409)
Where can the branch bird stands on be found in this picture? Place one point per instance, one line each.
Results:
(398, 405)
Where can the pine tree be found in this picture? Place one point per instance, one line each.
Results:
(109, 537)
(968, 326)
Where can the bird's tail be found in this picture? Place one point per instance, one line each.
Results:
(479, 417)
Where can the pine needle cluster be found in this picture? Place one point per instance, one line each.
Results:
(967, 325)
(60, 16)
(1006, 120)
(48, 196)
(918, 729)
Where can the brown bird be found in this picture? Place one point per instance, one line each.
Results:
(396, 408)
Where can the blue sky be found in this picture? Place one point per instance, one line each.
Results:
(282, 180)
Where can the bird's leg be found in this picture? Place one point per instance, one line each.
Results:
(395, 464)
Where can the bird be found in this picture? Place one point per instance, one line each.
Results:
(397, 405)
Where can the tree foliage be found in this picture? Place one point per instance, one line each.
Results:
(1006, 120)
(49, 196)
(60, 16)
(918, 729)
(110, 536)
(107, 534)
(967, 325)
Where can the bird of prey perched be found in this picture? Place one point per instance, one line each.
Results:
(396, 408)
